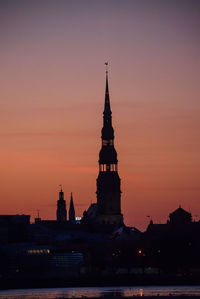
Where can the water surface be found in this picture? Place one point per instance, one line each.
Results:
(92, 292)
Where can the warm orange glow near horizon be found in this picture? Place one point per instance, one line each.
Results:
(52, 100)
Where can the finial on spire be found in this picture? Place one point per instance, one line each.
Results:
(60, 187)
(106, 64)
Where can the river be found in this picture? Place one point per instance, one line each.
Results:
(92, 292)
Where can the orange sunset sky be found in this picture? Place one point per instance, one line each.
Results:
(52, 76)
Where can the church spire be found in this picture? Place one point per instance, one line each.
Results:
(107, 96)
(108, 154)
(71, 210)
(108, 181)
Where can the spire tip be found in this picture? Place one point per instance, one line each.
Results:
(106, 64)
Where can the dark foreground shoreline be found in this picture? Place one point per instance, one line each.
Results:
(98, 281)
(112, 296)
(137, 296)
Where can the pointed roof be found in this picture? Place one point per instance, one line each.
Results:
(71, 210)
(107, 130)
(180, 211)
(107, 96)
(71, 203)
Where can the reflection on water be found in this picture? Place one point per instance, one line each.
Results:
(102, 292)
(111, 293)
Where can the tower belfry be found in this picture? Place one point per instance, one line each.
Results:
(108, 181)
(61, 207)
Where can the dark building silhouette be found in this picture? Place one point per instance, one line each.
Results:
(180, 217)
(61, 208)
(13, 228)
(71, 210)
(7, 220)
(107, 211)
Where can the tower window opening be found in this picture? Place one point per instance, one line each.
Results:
(113, 167)
(107, 142)
(104, 142)
(102, 167)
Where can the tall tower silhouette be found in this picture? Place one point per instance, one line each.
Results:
(108, 181)
(61, 208)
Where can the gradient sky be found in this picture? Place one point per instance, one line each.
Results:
(52, 76)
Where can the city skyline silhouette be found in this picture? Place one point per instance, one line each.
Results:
(52, 95)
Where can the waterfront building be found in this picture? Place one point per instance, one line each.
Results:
(179, 220)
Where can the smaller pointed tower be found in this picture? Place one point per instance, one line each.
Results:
(61, 207)
(71, 210)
